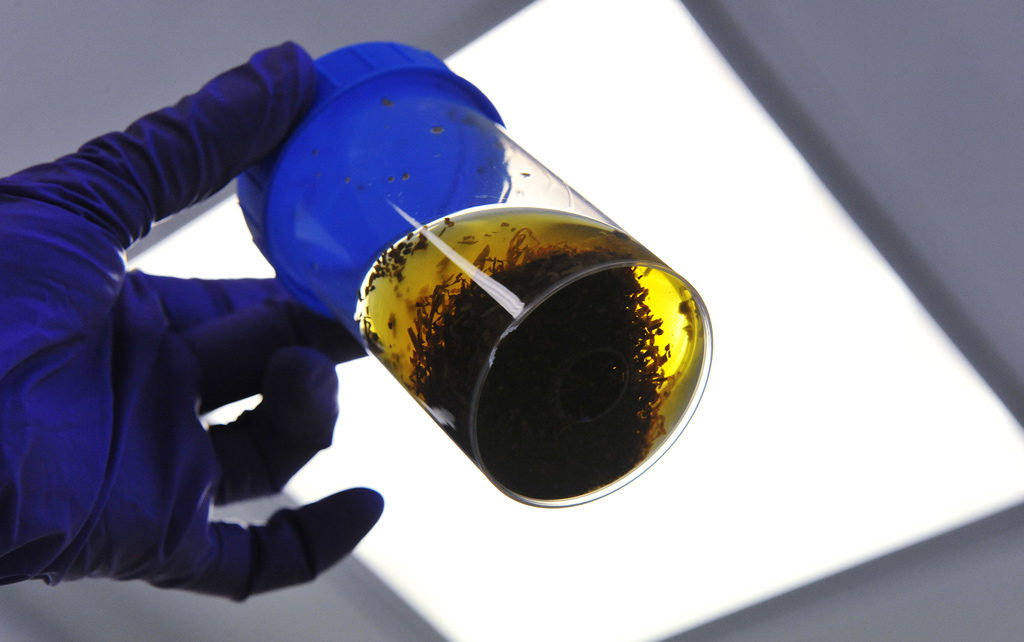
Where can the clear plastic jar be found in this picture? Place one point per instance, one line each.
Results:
(561, 355)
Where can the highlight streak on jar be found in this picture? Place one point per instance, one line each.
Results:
(506, 298)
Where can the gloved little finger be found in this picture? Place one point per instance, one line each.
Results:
(263, 448)
(293, 547)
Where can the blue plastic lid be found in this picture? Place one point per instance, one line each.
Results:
(344, 69)
(281, 189)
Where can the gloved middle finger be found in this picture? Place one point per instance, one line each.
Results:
(233, 350)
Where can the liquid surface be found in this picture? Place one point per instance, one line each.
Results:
(576, 391)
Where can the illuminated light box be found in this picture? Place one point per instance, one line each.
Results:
(839, 422)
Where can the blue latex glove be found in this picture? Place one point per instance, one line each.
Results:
(105, 467)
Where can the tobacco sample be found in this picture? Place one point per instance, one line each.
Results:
(571, 395)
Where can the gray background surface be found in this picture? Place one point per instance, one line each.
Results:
(73, 70)
(70, 71)
(913, 115)
(964, 585)
(910, 113)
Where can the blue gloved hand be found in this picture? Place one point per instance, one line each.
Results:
(105, 467)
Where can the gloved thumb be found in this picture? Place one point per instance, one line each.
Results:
(294, 546)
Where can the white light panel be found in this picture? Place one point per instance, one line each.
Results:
(839, 422)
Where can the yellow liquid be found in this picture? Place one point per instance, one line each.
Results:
(576, 391)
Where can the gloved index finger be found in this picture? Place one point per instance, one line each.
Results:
(172, 158)
(188, 303)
